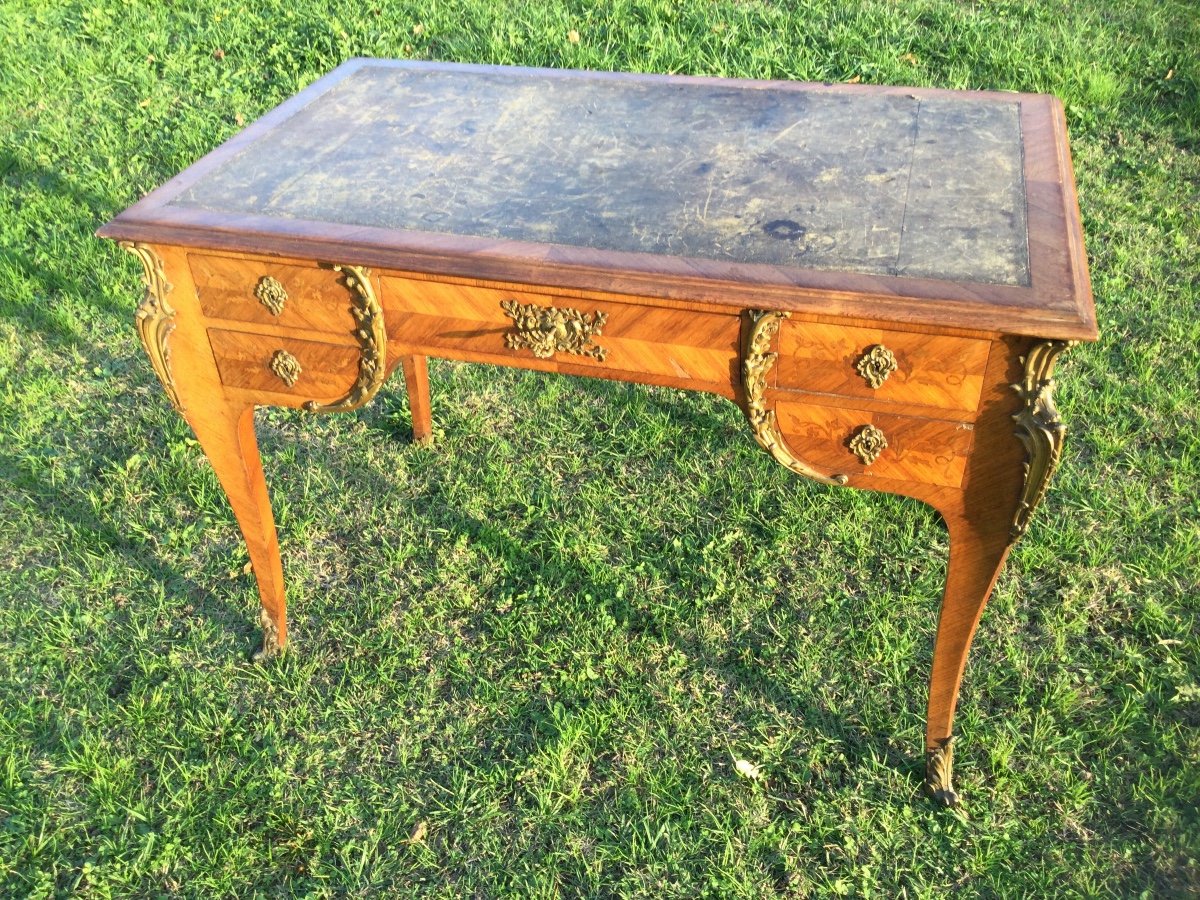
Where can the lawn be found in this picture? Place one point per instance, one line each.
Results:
(526, 659)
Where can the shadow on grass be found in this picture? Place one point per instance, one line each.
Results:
(50, 282)
(576, 590)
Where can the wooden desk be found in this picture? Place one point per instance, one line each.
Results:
(881, 278)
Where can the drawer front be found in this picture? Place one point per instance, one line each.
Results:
(924, 370)
(465, 319)
(260, 291)
(929, 451)
(307, 370)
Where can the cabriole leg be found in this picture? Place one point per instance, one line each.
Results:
(976, 559)
(172, 332)
(226, 434)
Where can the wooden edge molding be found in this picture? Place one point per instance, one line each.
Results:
(757, 360)
(155, 317)
(372, 341)
(1039, 428)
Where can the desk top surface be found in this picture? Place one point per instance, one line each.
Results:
(909, 200)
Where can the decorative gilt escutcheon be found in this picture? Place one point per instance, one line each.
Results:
(939, 771)
(372, 342)
(271, 294)
(757, 361)
(286, 367)
(1038, 427)
(876, 364)
(867, 444)
(155, 317)
(547, 330)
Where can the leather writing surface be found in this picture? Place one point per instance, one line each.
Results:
(885, 184)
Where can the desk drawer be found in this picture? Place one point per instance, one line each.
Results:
(929, 451)
(271, 293)
(944, 373)
(307, 370)
(498, 325)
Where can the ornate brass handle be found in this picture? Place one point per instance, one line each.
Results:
(547, 330)
(867, 444)
(286, 367)
(876, 364)
(271, 294)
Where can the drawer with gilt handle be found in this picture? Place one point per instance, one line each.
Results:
(302, 296)
(941, 372)
(648, 338)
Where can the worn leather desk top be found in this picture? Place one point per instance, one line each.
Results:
(677, 187)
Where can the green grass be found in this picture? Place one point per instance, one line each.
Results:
(526, 660)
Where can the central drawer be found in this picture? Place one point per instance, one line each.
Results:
(937, 371)
(503, 325)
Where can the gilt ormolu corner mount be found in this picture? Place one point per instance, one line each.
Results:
(882, 328)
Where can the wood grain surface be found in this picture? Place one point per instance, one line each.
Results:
(244, 361)
(225, 286)
(932, 370)
(929, 451)
(466, 321)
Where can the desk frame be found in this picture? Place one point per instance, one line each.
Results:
(1017, 433)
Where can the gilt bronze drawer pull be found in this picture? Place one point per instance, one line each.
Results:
(547, 330)
(286, 367)
(271, 294)
(876, 364)
(867, 444)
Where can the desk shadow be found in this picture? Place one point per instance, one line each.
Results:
(52, 278)
(493, 536)
(62, 504)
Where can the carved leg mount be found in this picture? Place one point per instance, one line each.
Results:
(984, 517)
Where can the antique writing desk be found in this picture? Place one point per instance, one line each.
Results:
(881, 278)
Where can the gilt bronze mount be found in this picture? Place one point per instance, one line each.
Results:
(939, 773)
(867, 444)
(155, 317)
(875, 365)
(547, 330)
(1039, 428)
(372, 342)
(757, 361)
(285, 367)
(271, 294)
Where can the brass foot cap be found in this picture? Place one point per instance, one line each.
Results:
(939, 770)
(942, 796)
